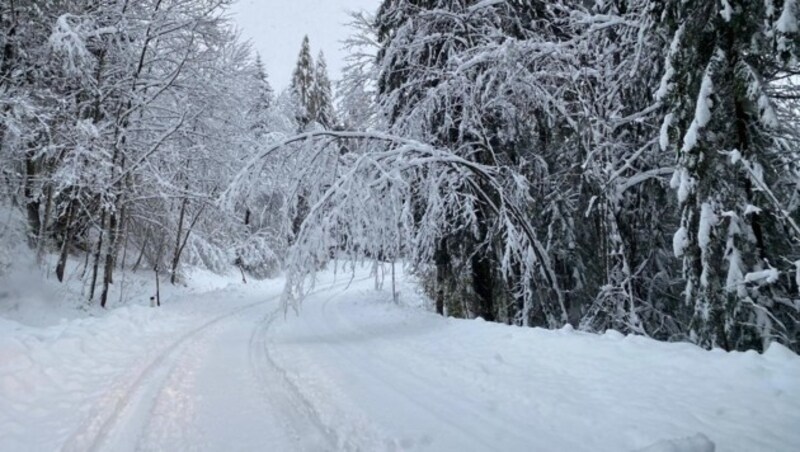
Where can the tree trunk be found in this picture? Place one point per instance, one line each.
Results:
(110, 258)
(141, 251)
(482, 273)
(299, 217)
(176, 256)
(65, 241)
(31, 203)
(442, 261)
(42, 237)
(125, 238)
(98, 253)
(158, 287)
(85, 264)
(182, 243)
(394, 285)
(156, 269)
(483, 285)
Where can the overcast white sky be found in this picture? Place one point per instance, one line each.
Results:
(277, 27)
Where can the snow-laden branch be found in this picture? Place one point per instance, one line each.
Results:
(368, 209)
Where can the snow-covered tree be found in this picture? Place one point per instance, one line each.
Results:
(356, 91)
(263, 102)
(726, 90)
(516, 154)
(125, 118)
(450, 75)
(322, 95)
(302, 86)
(612, 143)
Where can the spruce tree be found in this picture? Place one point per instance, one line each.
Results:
(303, 85)
(724, 93)
(322, 95)
(264, 100)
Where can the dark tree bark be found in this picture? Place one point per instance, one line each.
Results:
(97, 256)
(176, 256)
(42, 235)
(181, 242)
(158, 287)
(65, 242)
(442, 261)
(108, 267)
(32, 203)
(483, 281)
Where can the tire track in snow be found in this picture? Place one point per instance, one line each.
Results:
(118, 419)
(399, 384)
(345, 429)
(120, 408)
(298, 415)
(303, 417)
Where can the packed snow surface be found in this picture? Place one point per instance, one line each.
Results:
(226, 371)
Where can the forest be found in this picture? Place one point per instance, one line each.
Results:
(628, 165)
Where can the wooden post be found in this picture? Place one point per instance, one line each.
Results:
(158, 287)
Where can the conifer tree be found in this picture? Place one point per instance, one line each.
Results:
(322, 96)
(264, 100)
(725, 88)
(303, 85)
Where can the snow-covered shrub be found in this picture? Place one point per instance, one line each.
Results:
(256, 256)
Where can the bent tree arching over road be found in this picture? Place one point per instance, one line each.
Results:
(373, 199)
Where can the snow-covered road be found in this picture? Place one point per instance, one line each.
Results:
(213, 388)
(225, 371)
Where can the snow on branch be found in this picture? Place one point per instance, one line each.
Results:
(69, 38)
(396, 198)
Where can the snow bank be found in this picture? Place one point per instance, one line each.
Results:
(200, 280)
(52, 380)
(26, 295)
(697, 443)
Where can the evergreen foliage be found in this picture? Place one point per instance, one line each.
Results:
(322, 95)
(647, 130)
(303, 84)
(264, 101)
(312, 90)
(729, 75)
